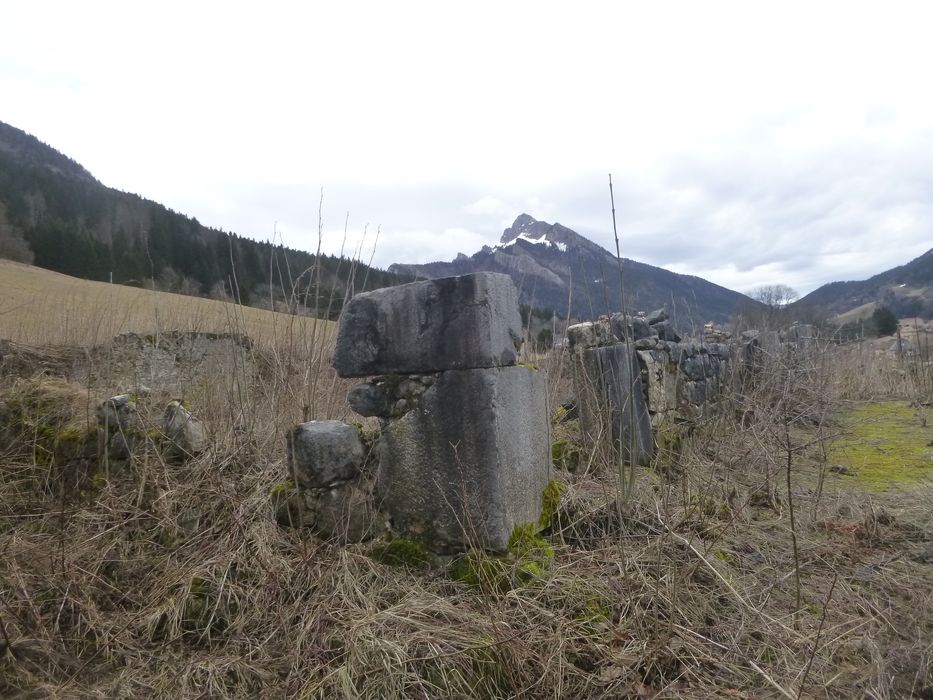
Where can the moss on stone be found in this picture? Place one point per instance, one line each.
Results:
(526, 544)
(559, 415)
(550, 501)
(565, 454)
(482, 570)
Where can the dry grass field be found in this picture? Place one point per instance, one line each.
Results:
(40, 307)
(767, 553)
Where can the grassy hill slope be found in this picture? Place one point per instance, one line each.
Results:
(41, 307)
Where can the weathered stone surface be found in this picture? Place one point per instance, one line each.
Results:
(346, 512)
(770, 343)
(657, 316)
(646, 343)
(118, 414)
(322, 453)
(185, 433)
(625, 327)
(696, 368)
(665, 331)
(369, 399)
(590, 334)
(695, 393)
(452, 323)
(169, 362)
(676, 352)
(653, 374)
(609, 390)
(640, 328)
(389, 397)
(720, 349)
(119, 445)
(471, 461)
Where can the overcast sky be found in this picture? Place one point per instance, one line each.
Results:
(750, 143)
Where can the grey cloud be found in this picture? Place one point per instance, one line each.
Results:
(738, 218)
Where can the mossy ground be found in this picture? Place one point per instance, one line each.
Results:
(885, 445)
(402, 552)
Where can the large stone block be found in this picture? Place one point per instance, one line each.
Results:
(611, 396)
(463, 322)
(470, 461)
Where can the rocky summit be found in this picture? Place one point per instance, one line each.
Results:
(555, 268)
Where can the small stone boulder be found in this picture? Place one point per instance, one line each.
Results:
(388, 397)
(369, 399)
(629, 327)
(657, 316)
(590, 334)
(186, 434)
(118, 414)
(322, 453)
(665, 331)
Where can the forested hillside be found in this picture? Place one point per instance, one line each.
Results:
(906, 290)
(56, 215)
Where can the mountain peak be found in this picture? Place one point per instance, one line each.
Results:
(528, 229)
(554, 268)
(525, 226)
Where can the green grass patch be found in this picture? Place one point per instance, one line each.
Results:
(884, 446)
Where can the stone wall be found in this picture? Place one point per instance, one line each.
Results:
(633, 376)
(171, 362)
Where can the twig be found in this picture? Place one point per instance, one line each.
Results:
(771, 680)
(816, 642)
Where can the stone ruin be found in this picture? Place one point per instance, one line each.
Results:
(63, 379)
(634, 377)
(462, 456)
(463, 452)
(169, 362)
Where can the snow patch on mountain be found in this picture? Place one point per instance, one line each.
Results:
(541, 239)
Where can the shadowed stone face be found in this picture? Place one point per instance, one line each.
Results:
(462, 322)
(322, 453)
